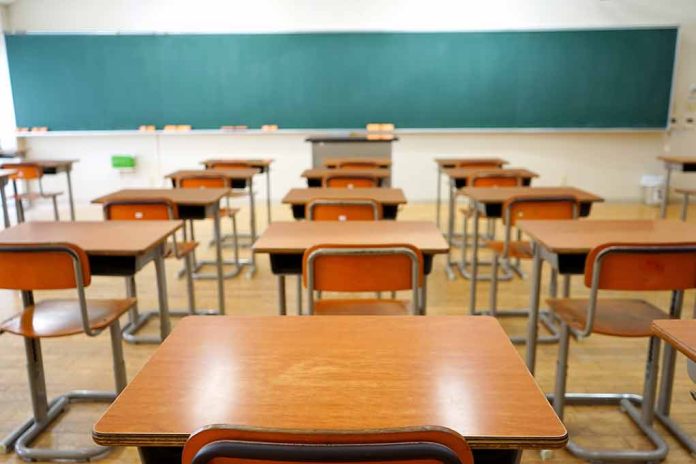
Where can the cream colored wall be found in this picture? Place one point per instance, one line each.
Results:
(608, 164)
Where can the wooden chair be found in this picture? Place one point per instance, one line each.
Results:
(361, 268)
(356, 209)
(27, 172)
(153, 210)
(527, 207)
(350, 181)
(226, 445)
(58, 266)
(622, 267)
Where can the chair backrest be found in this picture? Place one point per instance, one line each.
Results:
(357, 209)
(206, 181)
(229, 165)
(146, 210)
(220, 444)
(358, 165)
(25, 171)
(350, 181)
(494, 180)
(37, 266)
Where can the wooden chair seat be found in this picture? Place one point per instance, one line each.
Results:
(228, 212)
(616, 317)
(361, 307)
(59, 318)
(33, 196)
(516, 249)
(182, 249)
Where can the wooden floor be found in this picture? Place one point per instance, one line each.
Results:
(597, 364)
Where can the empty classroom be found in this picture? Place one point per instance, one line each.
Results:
(331, 231)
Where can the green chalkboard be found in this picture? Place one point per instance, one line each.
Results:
(533, 79)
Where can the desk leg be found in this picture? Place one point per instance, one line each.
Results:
(268, 194)
(165, 326)
(252, 212)
(282, 302)
(685, 207)
(532, 328)
(5, 213)
(218, 260)
(71, 200)
(664, 400)
(450, 232)
(474, 263)
(438, 201)
(299, 295)
(424, 296)
(665, 197)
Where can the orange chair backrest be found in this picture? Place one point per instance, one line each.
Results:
(368, 272)
(531, 207)
(203, 182)
(343, 181)
(358, 165)
(41, 266)
(497, 180)
(26, 171)
(643, 267)
(152, 210)
(451, 447)
(229, 165)
(364, 209)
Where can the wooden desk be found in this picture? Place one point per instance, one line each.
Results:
(114, 248)
(334, 162)
(4, 180)
(52, 167)
(263, 165)
(286, 242)
(315, 177)
(390, 198)
(488, 201)
(192, 204)
(686, 192)
(300, 373)
(674, 163)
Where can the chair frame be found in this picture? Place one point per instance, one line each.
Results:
(352, 202)
(418, 294)
(45, 413)
(644, 417)
(19, 205)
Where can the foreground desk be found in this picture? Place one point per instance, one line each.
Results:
(286, 242)
(192, 204)
(52, 167)
(337, 373)
(315, 177)
(674, 163)
(263, 166)
(389, 198)
(114, 248)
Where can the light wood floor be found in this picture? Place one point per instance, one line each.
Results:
(597, 364)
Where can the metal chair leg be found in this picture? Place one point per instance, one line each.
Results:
(56, 215)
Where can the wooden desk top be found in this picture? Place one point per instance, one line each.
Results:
(104, 238)
(264, 163)
(389, 196)
(460, 162)
(296, 237)
(678, 159)
(501, 194)
(45, 163)
(319, 173)
(679, 333)
(463, 173)
(688, 191)
(230, 174)
(584, 234)
(338, 373)
(192, 197)
(334, 162)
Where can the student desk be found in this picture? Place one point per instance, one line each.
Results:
(4, 180)
(192, 204)
(674, 163)
(448, 163)
(334, 162)
(389, 198)
(263, 166)
(488, 202)
(286, 243)
(315, 177)
(52, 167)
(686, 192)
(337, 373)
(114, 248)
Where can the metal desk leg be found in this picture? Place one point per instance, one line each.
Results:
(5, 213)
(664, 400)
(268, 193)
(299, 295)
(450, 232)
(532, 329)
(71, 200)
(282, 302)
(218, 260)
(474, 263)
(165, 326)
(665, 197)
(685, 207)
(424, 296)
(438, 202)
(252, 213)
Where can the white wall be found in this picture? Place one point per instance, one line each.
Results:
(608, 164)
(7, 121)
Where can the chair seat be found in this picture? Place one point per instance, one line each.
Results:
(228, 212)
(59, 318)
(616, 317)
(364, 307)
(182, 249)
(33, 196)
(517, 249)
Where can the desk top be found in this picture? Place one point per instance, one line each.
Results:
(45, 163)
(463, 173)
(678, 159)
(688, 191)
(230, 174)
(319, 173)
(104, 238)
(463, 162)
(261, 163)
(389, 196)
(296, 237)
(190, 197)
(501, 194)
(583, 235)
(333, 162)
(338, 373)
(679, 333)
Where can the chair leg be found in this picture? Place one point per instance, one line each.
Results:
(561, 371)
(119, 364)
(188, 263)
(56, 215)
(493, 302)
